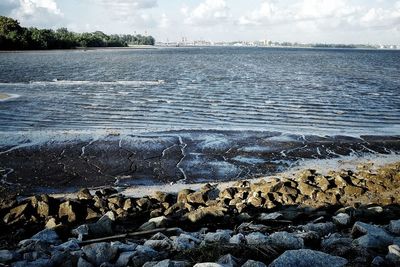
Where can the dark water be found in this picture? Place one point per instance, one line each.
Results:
(296, 90)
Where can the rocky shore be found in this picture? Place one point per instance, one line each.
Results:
(344, 218)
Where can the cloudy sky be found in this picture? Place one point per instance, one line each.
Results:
(329, 21)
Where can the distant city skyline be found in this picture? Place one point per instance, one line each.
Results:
(303, 21)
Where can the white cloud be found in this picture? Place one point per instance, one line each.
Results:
(207, 13)
(322, 15)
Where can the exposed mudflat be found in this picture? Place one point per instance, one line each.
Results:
(63, 165)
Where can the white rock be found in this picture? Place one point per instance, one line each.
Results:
(208, 264)
(394, 254)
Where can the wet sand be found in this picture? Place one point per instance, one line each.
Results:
(184, 157)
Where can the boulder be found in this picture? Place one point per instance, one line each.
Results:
(47, 235)
(84, 194)
(7, 256)
(237, 239)
(99, 253)
(217, 237)
(70, 210)
(307, 257)
(228, 261)
(285, 241)
(251, 263)
(394, 227)
(342, 219)
(122, 247)
(257, 239)
(124, 258)
(372, 236)
(322, 182)
(207, 212)
(167, 263)
(197, 198)
(270, 216)
(160, 245)
(17, 212)
(70, 245)
(84, 263)
(208, 264)
(185, 242)
(182, 195)
(378, 261)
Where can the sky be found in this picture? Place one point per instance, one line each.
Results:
(305, 21)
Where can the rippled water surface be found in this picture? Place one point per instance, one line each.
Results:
(296, 90)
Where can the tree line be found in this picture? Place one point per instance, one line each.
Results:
(15, 37)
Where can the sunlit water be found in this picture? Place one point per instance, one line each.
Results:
(288, 90)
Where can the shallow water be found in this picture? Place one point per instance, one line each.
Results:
(288, 90)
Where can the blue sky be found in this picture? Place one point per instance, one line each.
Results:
(330, 21)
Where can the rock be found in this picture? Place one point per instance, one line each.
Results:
(342, 219)
(84, 194)
(182, 195)
(270, 216)
(160, 221)
(373, 236)
(81, 231)
(351, 190)
(185, 242)
(307, 257)
(124, 258)
(257, 239)
(255, 201)
(237, 239)
(207, 212)
(144, 203)
(128, 204)
(322, 229)
(99, 253)
(159, 245)
(70, 211)
(121, 247)
(7, 255)
(394, 254)
(227, 193)
(208, 264)
(322, 182)
(285, 241)
(251, 263)
(91, 214)
(84, 263)
(103, 227)
(51, 223)
(169, 263)
(197, 198)
(394, 227)
(69, 245)
(47, 235)
(307, 189)
(218, 237)
(228, 261)
(16, 212)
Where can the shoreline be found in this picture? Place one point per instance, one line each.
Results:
(343, 218)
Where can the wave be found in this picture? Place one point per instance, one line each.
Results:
(74, 82)
(8, 96)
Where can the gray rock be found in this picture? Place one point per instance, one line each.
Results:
(124, 258)
(285, 241)
(373, 236)
(257, 239)
(185, 242)
(7, 255)
(81, 231)
(342, 219)
(217, 237)
(228, 261)
(84, 263)
(160, 221)
(69, 245)
(121, 247)
(165, 244)
(170, 263)
(334, 242)
(47, 235)
(208, 264)
(146, 251)
(99, 253)
(322, 229)
(237, 239)
(251, 263)
(307, 258)
(394, 227)
(394, 254)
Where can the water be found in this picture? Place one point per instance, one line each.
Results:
(289, 90)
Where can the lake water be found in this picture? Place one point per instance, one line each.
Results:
(262, 89)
